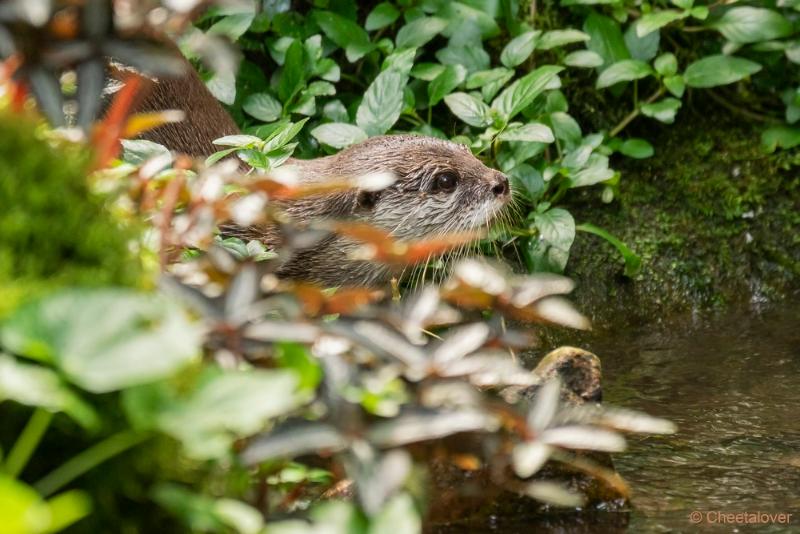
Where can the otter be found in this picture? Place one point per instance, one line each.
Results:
(440, 187)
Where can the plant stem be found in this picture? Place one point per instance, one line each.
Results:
(634, 113)
(88, 460)
(27, 442)
(752, 115)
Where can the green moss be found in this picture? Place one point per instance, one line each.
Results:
(714, 218)
(53, 230)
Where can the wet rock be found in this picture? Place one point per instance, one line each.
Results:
(470, 500)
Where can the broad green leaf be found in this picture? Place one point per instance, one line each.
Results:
(657, 20)
(472, 56)
(533, 132)
(666, 64)
(294, 72)
(450, 78)
(224, 407)
(717, 70)
(469, 109)
(320, 88)
(522, 92)
(209, 514)
(223, 86)
(606, 38)
(699, 12)
(555, 38)
(339, 135)
(417, 33)
(263, 106)
(479, 79)
(463, 19)
(427, 71)
(35, 385)
(345, 33)
(633, 263)
(382, 103)
(105, 339)
(335, 111)
(239, 141)
(233, 26)
(381, 16)
(401, 60)
(675, 85)
(780, 137)
(596, 171)
(566, 128)
(398, 516)
(752, 24)
(529, 178)
(664, 110)
(25, 512)
(636, 148)
(285, 132)
(583, 59)
(683, 4)
(550, 252)
(644, 48)
(519, 49)
(623, 71)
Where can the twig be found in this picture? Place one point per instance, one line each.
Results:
(634, 113)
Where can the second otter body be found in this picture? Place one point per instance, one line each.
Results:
(439, 188)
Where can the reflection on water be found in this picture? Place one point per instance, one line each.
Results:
(732, 384)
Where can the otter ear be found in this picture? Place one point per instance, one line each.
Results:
(367, 199)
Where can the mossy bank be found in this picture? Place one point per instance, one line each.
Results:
(715, 219)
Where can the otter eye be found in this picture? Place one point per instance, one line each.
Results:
(446, 181)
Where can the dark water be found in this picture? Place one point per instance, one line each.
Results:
(732, 384)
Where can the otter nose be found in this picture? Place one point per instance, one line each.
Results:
(499, 185)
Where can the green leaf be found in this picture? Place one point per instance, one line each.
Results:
(529, 178)
(683, 4)
(606, 38)
(224, 407)
(666, 64)
(533, 132)
(401, 60)
(34, 385)
(24, 512)
(382, 103)
(450, 78)
(345, 33)
(417, 33)
(305, 366)
(293, 74)
(519, 49)
(583, 59)
(623, 71)
(657, 20)
(398, 516)
(522, 92)
(752, 24)
(675, 85)
(469, 109)
(596, 171)
(633, 263)
(566, 128)
(636, 148)
(484, 77)
(664, 110)
(381, 16)
(239, 141)
(555, 38)
(780, 137)
(717, 70)
(473, 56)
(644, 48)
(427, 71)
(263, 107)
(320, 88)
(233, 26)
(106, 339)
(339, 135)
(550, 252)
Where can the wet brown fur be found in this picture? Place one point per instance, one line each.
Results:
(411, 208)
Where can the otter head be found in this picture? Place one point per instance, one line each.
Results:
(440, 186)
